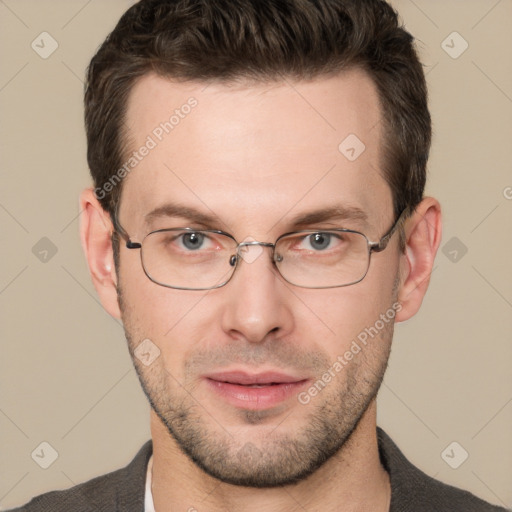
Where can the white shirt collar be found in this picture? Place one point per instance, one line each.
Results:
(149, 506)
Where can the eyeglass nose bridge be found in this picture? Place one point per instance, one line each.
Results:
(235, 258)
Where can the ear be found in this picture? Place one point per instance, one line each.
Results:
(95, 234)
(423, 234)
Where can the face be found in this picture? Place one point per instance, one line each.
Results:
(238, 366)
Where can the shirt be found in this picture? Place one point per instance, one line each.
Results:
(149, 506)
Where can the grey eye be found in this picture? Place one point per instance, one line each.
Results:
(193, 241)
(320, 241)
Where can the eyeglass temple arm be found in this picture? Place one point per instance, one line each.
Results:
(122, 233)
(383, 242)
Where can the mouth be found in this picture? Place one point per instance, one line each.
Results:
(255, 391)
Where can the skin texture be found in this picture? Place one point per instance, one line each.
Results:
(254, 156)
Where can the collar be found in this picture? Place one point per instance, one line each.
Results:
(149, 506)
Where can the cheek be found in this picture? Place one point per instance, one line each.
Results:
(341, 315)
(176, 321)
(153, 308)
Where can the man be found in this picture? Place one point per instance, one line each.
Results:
(258, 206)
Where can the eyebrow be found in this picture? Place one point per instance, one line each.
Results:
(185, 212)
(338, 213)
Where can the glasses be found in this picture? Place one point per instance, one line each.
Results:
(194, 259)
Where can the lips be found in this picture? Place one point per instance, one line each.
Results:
(261, 379)
(255, 391)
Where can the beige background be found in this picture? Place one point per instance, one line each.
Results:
(67, 378)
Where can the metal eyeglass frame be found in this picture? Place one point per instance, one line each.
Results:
(235, 258)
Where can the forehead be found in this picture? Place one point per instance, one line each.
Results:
(255, 152)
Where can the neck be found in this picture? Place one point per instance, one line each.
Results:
(353, 480)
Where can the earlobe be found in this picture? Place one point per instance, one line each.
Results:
(96, 238)
(423, 234)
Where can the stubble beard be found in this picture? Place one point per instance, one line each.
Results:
(279, 457)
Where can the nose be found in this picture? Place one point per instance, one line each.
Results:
(257, 299)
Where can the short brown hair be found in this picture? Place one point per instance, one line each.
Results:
(262, 40)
